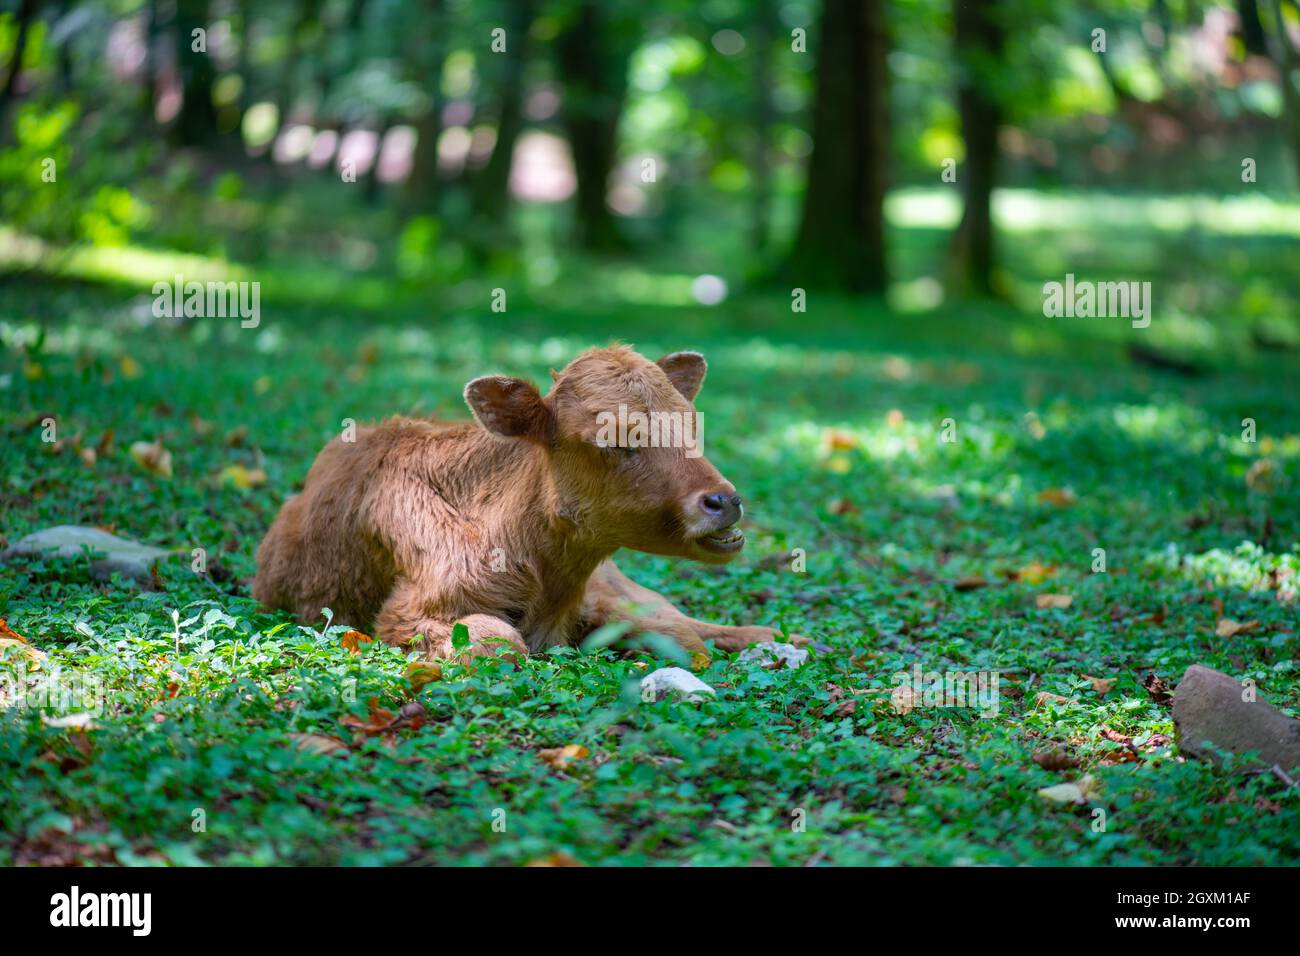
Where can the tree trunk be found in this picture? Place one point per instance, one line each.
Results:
(491, 189)
(66, 78)
(1287, 59)
(422, 188)
(841, 238)
(1252, 30)
(761, 164)
(26, 14)
(308, 10)
(978, 43)
(196, 123)
(149, 68)
(592, 54)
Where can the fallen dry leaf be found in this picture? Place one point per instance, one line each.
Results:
(1043, 697)
(1079, 792)
(420, 673)
(845, 709)
(29, 652)
(1102, 685)
(558, 858)
(382, 721)
(152, 457)
(1054, 600)
(318, 743)
(243, 478)
(1227, 627)
(837, 440)
(1261, 476)
(1155, 742)
(842, 506)
(1035, 572)
(1157, 688)
(560, 757)
(1127, 755)
(1114, 736)
(970, 583)
(9, 632)
(352, 641)
(1058, 759)
(1061, 497)
(1131, 752)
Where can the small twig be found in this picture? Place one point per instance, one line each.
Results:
(1282, 775)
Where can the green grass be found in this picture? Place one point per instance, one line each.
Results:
(889, 520)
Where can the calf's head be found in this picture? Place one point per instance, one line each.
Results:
(624, 449)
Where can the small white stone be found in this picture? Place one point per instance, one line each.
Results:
(674, 680)
(776, 651)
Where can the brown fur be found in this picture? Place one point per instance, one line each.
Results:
(398, 531)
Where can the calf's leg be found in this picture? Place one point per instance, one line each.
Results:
(404, 620)
(613, 596)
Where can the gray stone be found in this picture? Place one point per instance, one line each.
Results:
(674, 680)
(776, 651)
(112, 554)
(1209, 706)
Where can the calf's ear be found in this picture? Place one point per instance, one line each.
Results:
(510, 407)
(686, 371)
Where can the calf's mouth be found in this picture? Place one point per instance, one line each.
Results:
(726, 540)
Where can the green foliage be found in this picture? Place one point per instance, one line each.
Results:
(231, 735)
(210, 715)
(59, 181)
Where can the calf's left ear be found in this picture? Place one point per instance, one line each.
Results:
(510, 407)
(686, 371)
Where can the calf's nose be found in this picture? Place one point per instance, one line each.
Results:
(726, 508)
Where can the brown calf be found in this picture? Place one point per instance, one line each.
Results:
(507, 525)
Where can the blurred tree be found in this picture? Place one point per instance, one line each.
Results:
(978, 42)
(1287, 58)
(304, 27)
(1252, 30)
(26, 14)
(244, 61)
(764, 115)
(65, 17)
(592, 54)
(841, 238)
(421, 189)
(196, 121)
(491, 188)
(149, 62)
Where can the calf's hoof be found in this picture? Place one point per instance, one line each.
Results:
(514, 651)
